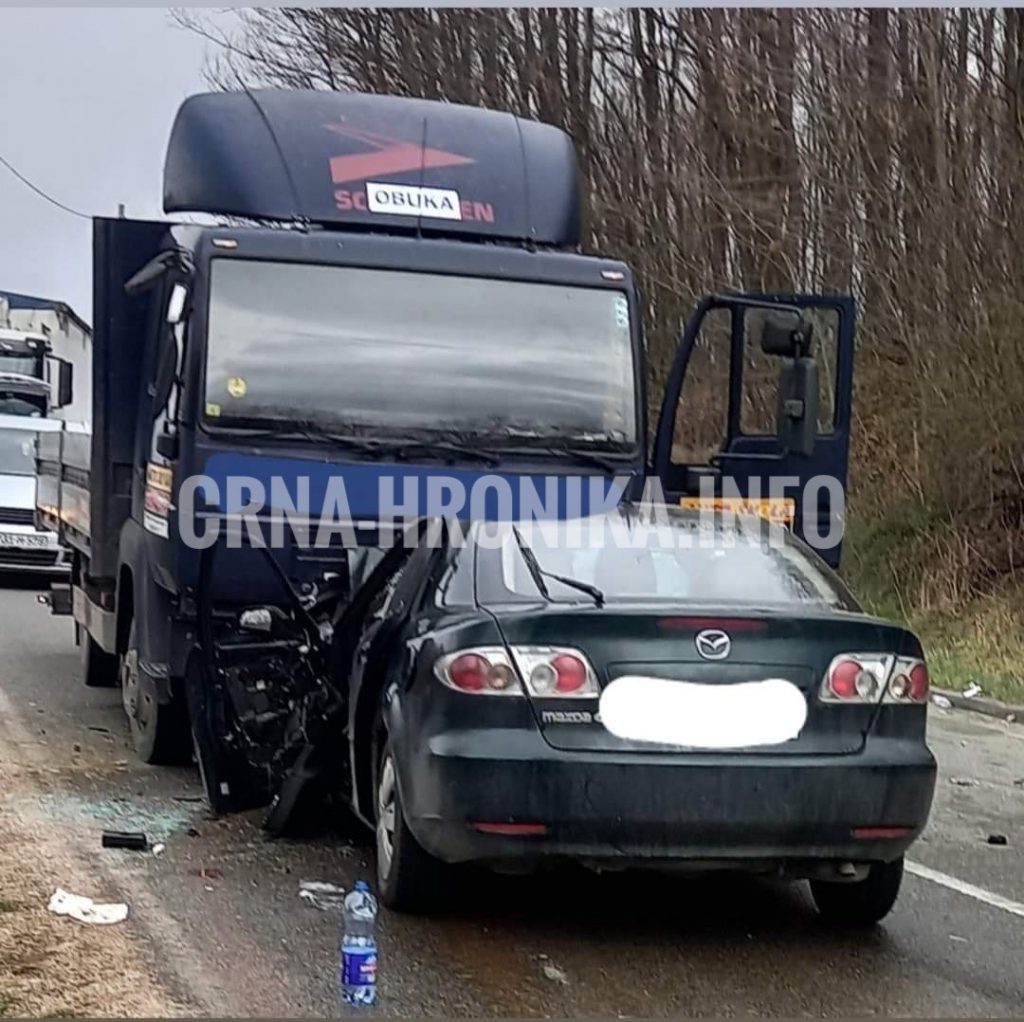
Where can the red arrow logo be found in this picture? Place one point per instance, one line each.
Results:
(390, 156)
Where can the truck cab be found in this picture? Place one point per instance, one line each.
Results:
(28, 401)
(393, 322)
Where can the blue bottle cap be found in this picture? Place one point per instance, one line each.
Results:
(362, 885)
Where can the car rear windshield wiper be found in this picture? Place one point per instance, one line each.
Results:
(538, 574)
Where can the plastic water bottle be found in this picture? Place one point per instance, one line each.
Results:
(359, 947)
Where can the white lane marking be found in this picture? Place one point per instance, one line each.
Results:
(962, 887)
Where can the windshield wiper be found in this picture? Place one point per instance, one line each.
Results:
(403, 446)
(581, 455)
(538, 574)
(390, 447)
(309, 431)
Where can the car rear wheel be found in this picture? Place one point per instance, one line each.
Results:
(408, 878)
(862, 903)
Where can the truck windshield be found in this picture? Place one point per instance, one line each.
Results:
(14, 402)
(17, 452)
(14, 362)
(384, 352)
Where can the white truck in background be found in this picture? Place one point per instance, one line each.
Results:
(45, 384)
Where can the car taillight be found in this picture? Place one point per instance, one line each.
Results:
(909, 683)
(556, 673)
(859, 678)
(570, 673)
(856, 678)
(548, 672)
(469, 672)
(485, 671)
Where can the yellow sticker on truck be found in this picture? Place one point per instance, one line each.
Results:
(781, 510)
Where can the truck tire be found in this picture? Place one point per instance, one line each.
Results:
(159, 730)
(863, 903)
(99, 668)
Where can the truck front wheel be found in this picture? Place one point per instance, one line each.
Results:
(160, 731)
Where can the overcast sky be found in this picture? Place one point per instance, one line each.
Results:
(86, 102)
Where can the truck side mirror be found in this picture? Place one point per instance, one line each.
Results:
(797, 414)
(786, 333)
(65, 383)
(167, 445)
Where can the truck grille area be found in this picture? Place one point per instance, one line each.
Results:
(12, 557)
(17, 516)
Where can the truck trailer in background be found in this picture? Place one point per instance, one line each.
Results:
(45, 389)
(67, 339)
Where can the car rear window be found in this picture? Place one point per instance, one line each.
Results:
(680, 561)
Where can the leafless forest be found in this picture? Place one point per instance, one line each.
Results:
(879, 152)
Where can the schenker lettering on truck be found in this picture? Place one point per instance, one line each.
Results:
(444, 326)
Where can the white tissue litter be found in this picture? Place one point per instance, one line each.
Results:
(85, 910)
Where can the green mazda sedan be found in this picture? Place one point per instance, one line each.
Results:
(644, 688)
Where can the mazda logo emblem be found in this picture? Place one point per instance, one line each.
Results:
(713, 644)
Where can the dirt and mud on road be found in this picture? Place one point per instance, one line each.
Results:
(50, 965)
(216, 927)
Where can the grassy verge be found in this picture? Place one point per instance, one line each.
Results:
(983, 643)
(935, 574)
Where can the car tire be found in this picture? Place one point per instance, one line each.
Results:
(99, 668)
(409, 879)
(862, 903)
(159, 730)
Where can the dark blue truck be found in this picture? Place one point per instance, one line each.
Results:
(386, 305)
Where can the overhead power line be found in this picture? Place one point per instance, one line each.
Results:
(49, 198)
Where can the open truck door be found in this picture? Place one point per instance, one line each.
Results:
(756, 412)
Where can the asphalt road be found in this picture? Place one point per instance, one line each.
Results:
(220, 921)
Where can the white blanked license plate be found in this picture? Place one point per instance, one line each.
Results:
(682, 713)
(23, 541)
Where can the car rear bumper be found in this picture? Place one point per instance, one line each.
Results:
(768, 811)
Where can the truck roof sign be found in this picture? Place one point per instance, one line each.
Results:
(373, 162)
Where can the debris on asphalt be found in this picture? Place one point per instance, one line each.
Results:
(158, 849)
(555, 974)
(941, 702)
(101, 730)
(997, 839)
(85, 910)
(134, 840)
(322, 895)
(208, 873)
(76, 747)
(972, 690)
(958, 939)
(963, 782)
(192, 832)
